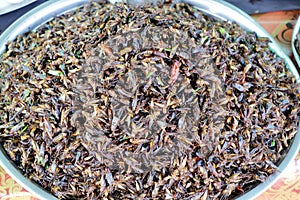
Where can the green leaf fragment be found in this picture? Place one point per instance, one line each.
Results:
(40, 160)
(78, 53)
(222, 31)
(55, 72)
(159, 81)
(125, 137)
(273, 143)
(24, 129)
(149, 74)
(197, 90)
(26, 93)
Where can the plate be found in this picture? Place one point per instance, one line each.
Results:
(294, 36)
(7, 6)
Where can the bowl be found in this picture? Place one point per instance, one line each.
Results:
(218, 8)
(294, 38)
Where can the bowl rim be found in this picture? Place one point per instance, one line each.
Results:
(47, 10)
(294, 36)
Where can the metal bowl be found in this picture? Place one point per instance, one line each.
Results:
(294, 36)
(218, 8)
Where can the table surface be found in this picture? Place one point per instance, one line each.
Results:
(280, 26)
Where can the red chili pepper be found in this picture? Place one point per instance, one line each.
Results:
(238, 188)
(174, 71)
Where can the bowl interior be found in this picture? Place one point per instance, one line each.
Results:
(218, 8)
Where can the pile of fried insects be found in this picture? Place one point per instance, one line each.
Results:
(111, 101)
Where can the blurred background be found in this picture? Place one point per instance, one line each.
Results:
(249, 6)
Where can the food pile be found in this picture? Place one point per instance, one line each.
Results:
(150, 102)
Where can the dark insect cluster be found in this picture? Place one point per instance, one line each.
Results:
(149, 102)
